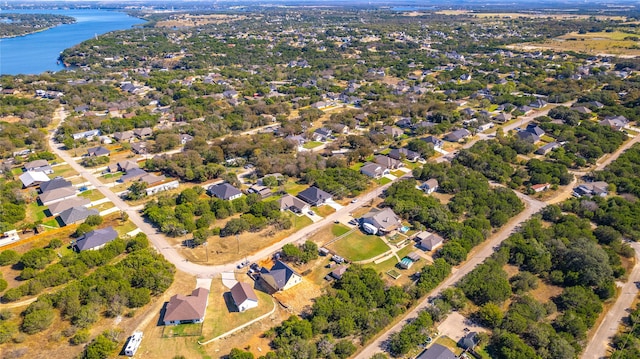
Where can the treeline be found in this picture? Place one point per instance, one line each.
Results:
(110, 289)
(340, 182)
(357, 307)
(623, 172)
(189, 213)
(12, 206)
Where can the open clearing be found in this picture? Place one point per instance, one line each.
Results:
(594, 43)
(358, 246)
(190, 20)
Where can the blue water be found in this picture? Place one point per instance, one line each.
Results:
(38, 52)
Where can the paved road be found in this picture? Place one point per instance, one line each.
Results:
(486, 249)
(599, 344)
(170, 252)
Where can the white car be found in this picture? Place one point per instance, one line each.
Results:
(354, 200)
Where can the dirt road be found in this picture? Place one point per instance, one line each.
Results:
(487, 248)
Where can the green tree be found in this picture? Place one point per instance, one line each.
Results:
(240, 354)
(490, 315)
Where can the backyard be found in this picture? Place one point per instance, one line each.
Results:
(358, 246)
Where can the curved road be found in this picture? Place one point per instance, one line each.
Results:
(170, 252)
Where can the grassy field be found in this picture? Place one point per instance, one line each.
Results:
(324, 210)
(383, 181)
(589, 43)
(63, 171)
(92, 194)
(339, 229)
(358, 246)
(222, 314)
(103, 206)
(294, 188)
(312, 144)
(125, 228)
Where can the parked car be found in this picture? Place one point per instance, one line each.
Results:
(354, 200)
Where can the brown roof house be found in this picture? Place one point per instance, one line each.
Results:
(57, 195)
(243, 296)
(183, 309)
(293, 204)
(429, 241)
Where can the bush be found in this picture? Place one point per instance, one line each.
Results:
(9, 257)
(81, 336)
(94, 220)
(38, 317)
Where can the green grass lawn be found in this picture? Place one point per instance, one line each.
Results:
(339, 229)
(385, 151)
(324, 210)
(125, 228)
(312, 144)
(51, 223)
(92, 195)
(397, 173)
(356, 166)
(16, 171)
(358, 246)
(384, 267)
(63, 171)
(36, 212)
(294, 188)
(300, 222)
(383, 181)
(492, 108)
(547, 139)
(103, 206)
(182, 330)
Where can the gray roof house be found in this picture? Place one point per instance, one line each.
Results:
(380, 221)
(429, 241)
(543, 150)
(388, 162)
(96, 239)
(55, 183)
(437, 351)
(591, 189)
(314, 196)
(187, 308)
(76, 214)
(132, 175)
(469, 341)
(139, 148)
(29, 178)
(457, 135)
(430, 186)
(38, 166)
(392, 131)
(143, 132)
(528, 136)
(280, 276)
(399, 153)
(58, 207)
(184, 138)
(243, 296)
(436, 142)
(224, 191)
(123, 136)
(539, 103)
(374, 170)
(57, 195)
(98, 151)
(294, 204)
(615, 122)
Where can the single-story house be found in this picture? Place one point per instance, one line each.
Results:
(380, 221)
(543, 150)
(98, 151)
(321, 134)
(392, 131)
(132, 175)
(58, 207)
(469, 341)
(374, 170)
(243, 296)
(485, 126)
(437, 351)
(457, 135)
(263, 191)
(615, 122)
(280, 276)
(55, 183)
(591, 189)
(184, 138)
(429, 241)
(150, 179)
(29, 178)
(224, 191)
(582, 109)
(123, 136)
(436, 142)
(162, 187)
(86, 134)
(502, 117)
(539, 103)
(38, 166)
(430, 186)
(183, 309)
(76, 214)
(139, 148)
(338, 272)
(314, 196)
(142, 132)
(95, 239)
(294, 204)
(388, 162)
(400, 153)
(528, 136)
(127, 165)
(57, 195)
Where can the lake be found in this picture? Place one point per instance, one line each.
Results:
(38, 52)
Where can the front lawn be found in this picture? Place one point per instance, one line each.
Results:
(92, 195)
(312, 144)
(383, 181)
(323, 210)
(358, 246)
(294, 188)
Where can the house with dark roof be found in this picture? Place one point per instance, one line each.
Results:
(58, 207)
(400, 153)
(380, 221)
(75, 215)
(98, 151)
(430, 186)
(57, 195)
(314, 196)
(528, 136)
(30, 179)
(243, 296)
(469, 341)
(150, 179)
(615, 122)
(502, 117)
(321, 134)
(429, 241)
(591, 189)
(392, 131)
(183, 309)
(293, 204)
(436, 142)
(139, 148)
(539, 103)
(437, 351)
(95, 239)
(457, 135)
(38, 166)
(54, 184)
(374, 170)
(224, 191)
(263, 191)
(132, 175)
(127, 165)
(280, 277)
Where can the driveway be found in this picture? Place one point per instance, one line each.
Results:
(455, 324)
